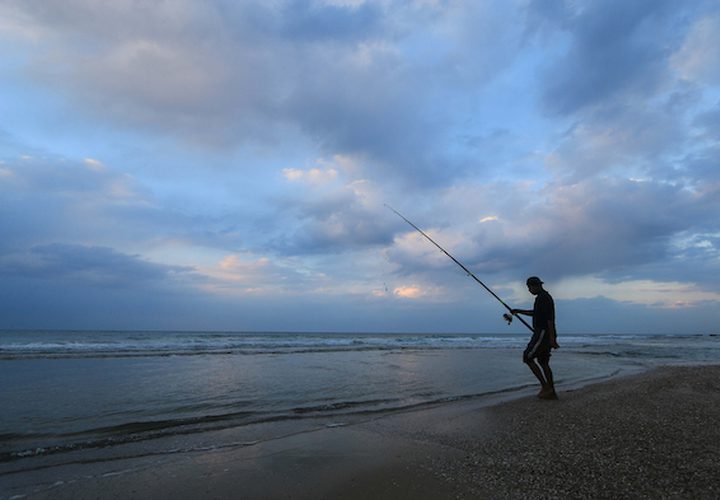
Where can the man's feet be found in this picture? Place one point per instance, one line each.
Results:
(547, 393)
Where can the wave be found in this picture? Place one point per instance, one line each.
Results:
(133, 432)
(58, 345)
(119, 344)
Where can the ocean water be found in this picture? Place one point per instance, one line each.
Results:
(70, 396)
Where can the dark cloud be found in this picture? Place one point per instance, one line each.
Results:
(48, 199)
(82, 304)
(709, 122)
(91, 265)
(603, 315)
(614, 51)
(307, 20)
(701, 168)
(545, 16)
(618, 225)
(691, 257)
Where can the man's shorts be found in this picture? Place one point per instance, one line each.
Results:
(538, 347)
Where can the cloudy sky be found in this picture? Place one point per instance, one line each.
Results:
(225, 164)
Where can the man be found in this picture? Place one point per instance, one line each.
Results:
(537, 353)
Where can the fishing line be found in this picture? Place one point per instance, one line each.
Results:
(507, 317)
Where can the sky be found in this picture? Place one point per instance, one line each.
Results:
(225, 165)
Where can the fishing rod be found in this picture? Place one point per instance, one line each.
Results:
(508, 317)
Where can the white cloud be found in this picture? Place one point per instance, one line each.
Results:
(95, 165)
(671, 294)
(312, 175)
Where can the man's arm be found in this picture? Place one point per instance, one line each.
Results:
(552, 334)
(526, 312)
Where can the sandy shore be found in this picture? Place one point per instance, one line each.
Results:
(654, 435)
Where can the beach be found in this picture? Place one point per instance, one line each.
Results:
(653, 434)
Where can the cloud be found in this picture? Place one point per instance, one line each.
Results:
(209, 72)
(313, 175)
(409, 291)
(633, 101)
(613, 52)
(89, 265)
(242, 275)
(591, 227)
(632, 140)
(53, 199)
(47, 199)
(709, 123)
(329, 210)
(699, 57)
(76, 182)
(317, 21)
(602, 226)
(244, 150)
(646, 292)
(377, 81)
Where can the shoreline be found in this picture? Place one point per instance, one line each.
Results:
(648, 434)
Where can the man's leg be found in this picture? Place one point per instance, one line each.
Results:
(549, 388)
(545, 365)
(536, 371)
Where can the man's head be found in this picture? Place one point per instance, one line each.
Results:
(534, 284)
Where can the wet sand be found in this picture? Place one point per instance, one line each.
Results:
(654, 435)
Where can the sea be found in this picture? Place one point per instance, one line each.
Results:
(82, 396)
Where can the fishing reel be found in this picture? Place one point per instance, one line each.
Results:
(507, 317)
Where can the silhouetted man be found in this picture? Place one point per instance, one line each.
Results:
(537, 352)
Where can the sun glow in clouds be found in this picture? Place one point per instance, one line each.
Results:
(419, 292)
(234, 275)
(409, 292)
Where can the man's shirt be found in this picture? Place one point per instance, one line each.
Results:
(543, 311)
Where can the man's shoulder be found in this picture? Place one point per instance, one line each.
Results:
(544, 298)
